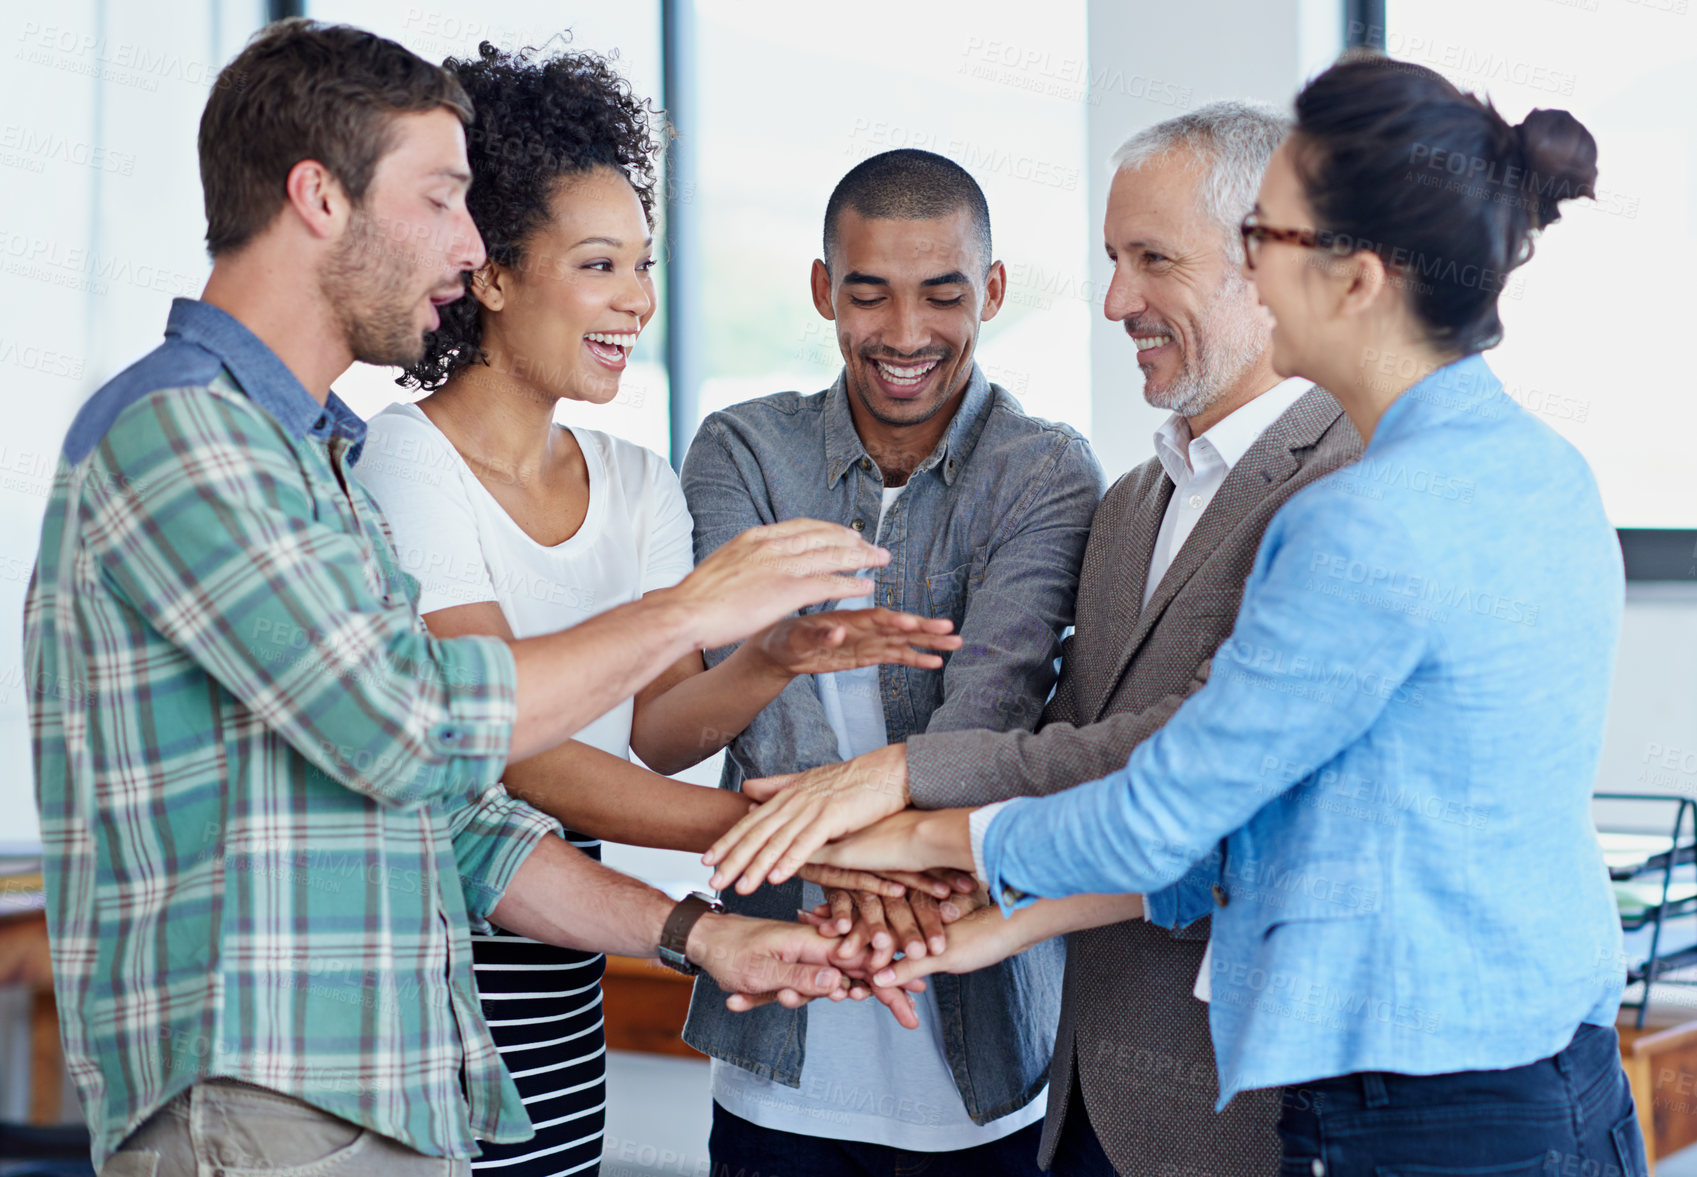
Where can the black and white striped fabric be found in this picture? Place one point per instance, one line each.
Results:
(543, 1005)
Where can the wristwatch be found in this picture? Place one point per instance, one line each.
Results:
(675, 935)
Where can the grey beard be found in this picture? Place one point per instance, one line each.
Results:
(1228, 345)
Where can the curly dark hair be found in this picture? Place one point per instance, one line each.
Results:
(538, 118)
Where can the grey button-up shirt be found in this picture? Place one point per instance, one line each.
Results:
(989, 533)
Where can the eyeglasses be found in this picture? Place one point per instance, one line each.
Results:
(1254, 233)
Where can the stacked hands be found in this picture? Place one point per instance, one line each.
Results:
(896, 879)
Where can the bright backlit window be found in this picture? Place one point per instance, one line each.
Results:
(1598, 323)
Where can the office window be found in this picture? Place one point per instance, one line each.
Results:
(100, 166)
(103, 227)
(628, 31)
(790, 97)
(1598, 324)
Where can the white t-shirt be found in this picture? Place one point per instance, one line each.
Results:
(463, 547)
(864, 1077)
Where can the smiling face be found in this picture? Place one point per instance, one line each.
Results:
(406, 244)
(1177, 290)
(907, 297)
(1291, 282)
(564, 320)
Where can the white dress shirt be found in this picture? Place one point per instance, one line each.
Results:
(1198, 466)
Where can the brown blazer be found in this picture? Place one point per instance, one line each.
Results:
(1130, 1028)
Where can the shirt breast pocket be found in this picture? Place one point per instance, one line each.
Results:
(947, 593)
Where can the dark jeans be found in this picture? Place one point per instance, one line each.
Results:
(1569, 1115)
(1078, 1153)
(739, 1147)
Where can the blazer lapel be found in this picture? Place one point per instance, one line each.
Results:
(1151, 498)
(1266, 464)
(1118, 560)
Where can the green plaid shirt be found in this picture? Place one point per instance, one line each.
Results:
(270, 801)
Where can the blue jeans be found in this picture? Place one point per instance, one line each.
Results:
(737, 1146)
(1570, 1115)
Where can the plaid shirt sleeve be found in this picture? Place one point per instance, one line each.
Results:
(492, 837)
(197, 511)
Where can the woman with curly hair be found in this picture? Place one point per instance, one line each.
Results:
(515, 525)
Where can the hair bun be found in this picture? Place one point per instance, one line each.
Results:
(1561, 161)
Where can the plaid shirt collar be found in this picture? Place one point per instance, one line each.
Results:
(267, 381)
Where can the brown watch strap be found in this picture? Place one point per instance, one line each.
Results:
(674, 936)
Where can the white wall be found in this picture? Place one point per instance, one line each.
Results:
(1150, 62)
(102, 226)
(1650, 744)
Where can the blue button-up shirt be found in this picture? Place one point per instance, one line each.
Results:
(989, 533)
(1398, 742)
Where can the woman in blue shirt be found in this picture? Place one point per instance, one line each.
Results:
(1382, 793)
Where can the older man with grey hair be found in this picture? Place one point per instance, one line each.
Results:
(1132, 1087)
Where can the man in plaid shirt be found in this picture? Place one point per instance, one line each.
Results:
(270, 800)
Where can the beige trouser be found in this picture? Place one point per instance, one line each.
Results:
(221, 1126)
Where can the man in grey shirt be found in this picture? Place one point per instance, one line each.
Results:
(985, 512)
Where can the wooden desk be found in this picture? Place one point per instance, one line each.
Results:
(645, 1004)
(1662, 1067)
(24, 960)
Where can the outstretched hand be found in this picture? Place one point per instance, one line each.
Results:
(871, 929)
(893, 884)
(847, 639)
(745, 955)
(808, 810)
(769, 572)
(986, 936)
(855, 984)
(912, 839)
(976, 941)
(916, 925)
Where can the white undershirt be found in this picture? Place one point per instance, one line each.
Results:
(1198, 468)
(863, 1077)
